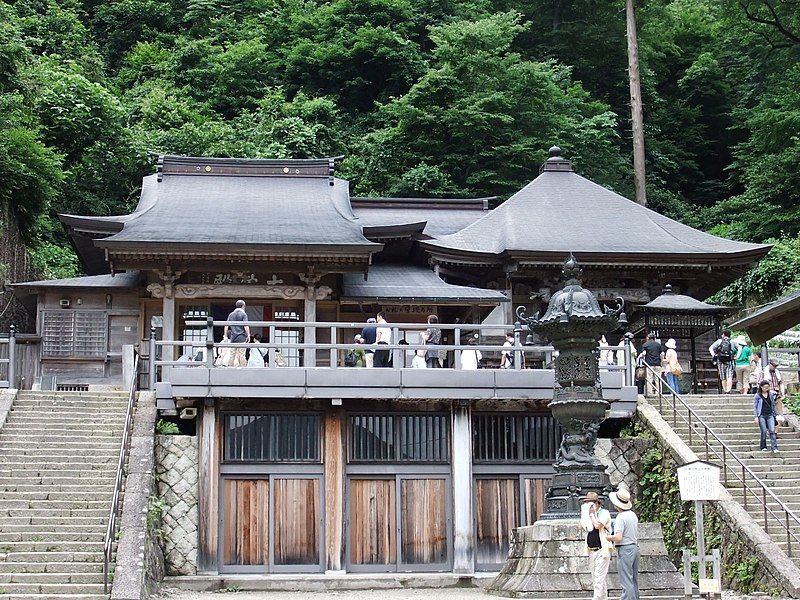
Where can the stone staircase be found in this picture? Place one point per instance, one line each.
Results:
(58, 459)
(731, 418)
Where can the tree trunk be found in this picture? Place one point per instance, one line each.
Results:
(637, 121)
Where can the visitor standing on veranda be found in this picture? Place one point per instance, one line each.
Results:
(383, 337)
(368, 335)
(724, 351)
(626, 542)
(596, 521)
(672, 367)
(652, 355)
(238, 334)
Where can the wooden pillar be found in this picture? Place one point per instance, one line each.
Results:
(208, 487)
(310, 333)
(334, 489)
(167, 332)
(463, 538)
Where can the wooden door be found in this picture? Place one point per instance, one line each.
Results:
(297, 521)
(373, 522)
(423, 521)
(496, 515)
(245, 538)
(534, 490)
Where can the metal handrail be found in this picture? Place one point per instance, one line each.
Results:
(124, 450)
(760, 490)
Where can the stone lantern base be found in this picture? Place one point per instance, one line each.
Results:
(548, 560)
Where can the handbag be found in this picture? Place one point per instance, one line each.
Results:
(641, 373)
(593, 539)
(676, 370)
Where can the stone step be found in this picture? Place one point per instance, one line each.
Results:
(65, 484)
(51, 567)
(54, 521)
(52, 495)
(63, 444)
(35, 535)
(37, 529)
(49, 578)
(50, 546)
(33, 454)
(66, 405)
(52, 588)
(15, 432)
(55, 501)
(38, 513)
(36, 419)
(58, 596)
(58, 470)
(49, 556)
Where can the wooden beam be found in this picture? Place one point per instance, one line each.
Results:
(208, 487)
(334, 488)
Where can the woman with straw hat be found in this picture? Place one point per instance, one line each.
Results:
(596, 521)
(626, 541)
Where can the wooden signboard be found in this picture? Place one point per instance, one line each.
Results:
(699, 480)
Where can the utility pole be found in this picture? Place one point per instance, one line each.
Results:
(637, 121)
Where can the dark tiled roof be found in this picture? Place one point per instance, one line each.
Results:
(561, 212)
(772, 319)
(441, 216)
(409, 283)
(670, 301)
(126, 279)
(247, 210)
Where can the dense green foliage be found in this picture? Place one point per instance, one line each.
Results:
(441, 98)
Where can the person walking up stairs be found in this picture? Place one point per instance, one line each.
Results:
(58, 460)
(731, 418)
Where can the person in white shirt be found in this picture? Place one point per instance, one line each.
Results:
(383, 336)
(596, 522)
(418, 362)
(507, 356)
(471, 358)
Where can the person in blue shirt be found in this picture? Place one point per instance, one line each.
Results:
(765, 412)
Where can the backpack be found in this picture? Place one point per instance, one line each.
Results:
(725, 351)
(593, 539)
(350, 359)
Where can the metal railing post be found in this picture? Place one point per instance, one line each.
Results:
(457, 353)
(515, 353)
(628, 360)
(397, 354)
(788, 531)
(744, 487)
(334, 352)
(12, 352)
(764, 500)
(210, 342)
(152, 358)
(271, 351)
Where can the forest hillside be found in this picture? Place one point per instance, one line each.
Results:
(421, 97)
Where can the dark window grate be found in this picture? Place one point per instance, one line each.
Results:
(515, 438)
(399, 438)
(272, 438)
(74, 333)
(68, 387)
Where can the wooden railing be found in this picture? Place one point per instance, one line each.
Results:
(161, 352)
(782, 519)
(10, 359)
(116, 499)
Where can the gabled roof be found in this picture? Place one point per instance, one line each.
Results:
(561, 212)
(412, 284)
(280, 207)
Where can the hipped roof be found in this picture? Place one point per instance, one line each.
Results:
(561, 212)
(412, 284)
(672, 302)
(125, 279)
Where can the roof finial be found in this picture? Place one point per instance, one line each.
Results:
(556, 162)
(571, 269)
(668, 289)
(555, 151)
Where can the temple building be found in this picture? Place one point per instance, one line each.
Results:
(308, 465)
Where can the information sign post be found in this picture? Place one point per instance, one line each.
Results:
(699, 482)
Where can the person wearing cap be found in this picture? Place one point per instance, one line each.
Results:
(626, 542)
(742, 363)
(596, 521)
(773, 375)
(671, 365)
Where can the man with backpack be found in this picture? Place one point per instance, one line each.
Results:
(724, 351)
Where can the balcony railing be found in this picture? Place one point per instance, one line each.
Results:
(331, 354)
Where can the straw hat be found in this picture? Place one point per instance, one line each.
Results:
(621, 499)
(741, 340)
(671, 344)
(591, 497)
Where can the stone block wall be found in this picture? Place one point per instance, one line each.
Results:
(623, 459)
(177, 476)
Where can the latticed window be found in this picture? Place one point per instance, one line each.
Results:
(74, 333)
(272, 438)
(513, 438)
(399, 438)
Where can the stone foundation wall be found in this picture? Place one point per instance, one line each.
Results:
(623, 459)
(176, 476)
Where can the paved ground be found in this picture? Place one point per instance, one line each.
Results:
(438, 594)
